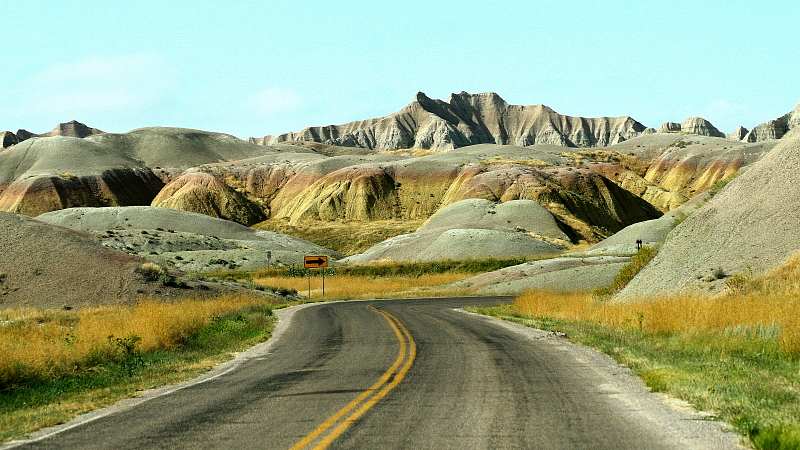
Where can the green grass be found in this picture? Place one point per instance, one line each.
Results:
(39, 401)
(742, 376)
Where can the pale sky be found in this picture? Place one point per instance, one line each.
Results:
(251, 68)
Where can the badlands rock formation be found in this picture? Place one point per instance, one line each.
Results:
(7, 139)
(739, 134)
(388, 187)
(47, 174)
(750, 225)
(585, 270)
(206, 194)
(474, 228)
(692, 125)
(687, 164)
(70, 129)
(469, 119)
(774, 129)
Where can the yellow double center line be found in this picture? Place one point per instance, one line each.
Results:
(338, 423)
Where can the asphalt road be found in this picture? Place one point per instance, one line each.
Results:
(400, 374)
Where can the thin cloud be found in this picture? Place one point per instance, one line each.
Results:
(274, 101)
(94, 86)
(727, 115)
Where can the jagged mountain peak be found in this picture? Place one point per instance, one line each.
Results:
(739, 133)
(421, 97)
(483, 98)
(468, 119)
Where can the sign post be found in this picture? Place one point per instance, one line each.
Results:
(319, 262)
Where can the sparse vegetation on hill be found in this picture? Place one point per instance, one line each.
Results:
(628, 162)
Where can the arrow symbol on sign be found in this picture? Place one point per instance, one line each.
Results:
(315, 262)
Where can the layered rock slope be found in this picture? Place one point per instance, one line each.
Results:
(390, 187)
(592, 192)
(683, 165)
(692, 125)
(469, 119)
(206, 194)
(750, 225)
(47, 174)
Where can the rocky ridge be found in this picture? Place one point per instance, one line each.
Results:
(468, 119)
(490, 229)
(692, 125)
(45, 174)
(774, 129)
(186, 240)
(72, 128)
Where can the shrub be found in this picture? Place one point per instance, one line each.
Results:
(151, 271)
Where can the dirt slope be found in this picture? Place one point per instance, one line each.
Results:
(42, 265)
(751, 224)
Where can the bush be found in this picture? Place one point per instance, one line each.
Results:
(151, 271)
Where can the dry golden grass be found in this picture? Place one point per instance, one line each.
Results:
(348, 286)
(415, 152)
(629, 162)
(773, 313)
(524, 162)
(52, 343)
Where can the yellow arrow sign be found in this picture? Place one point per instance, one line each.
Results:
(315, 261)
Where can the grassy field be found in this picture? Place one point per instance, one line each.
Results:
(737, 355)
(343, 287)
